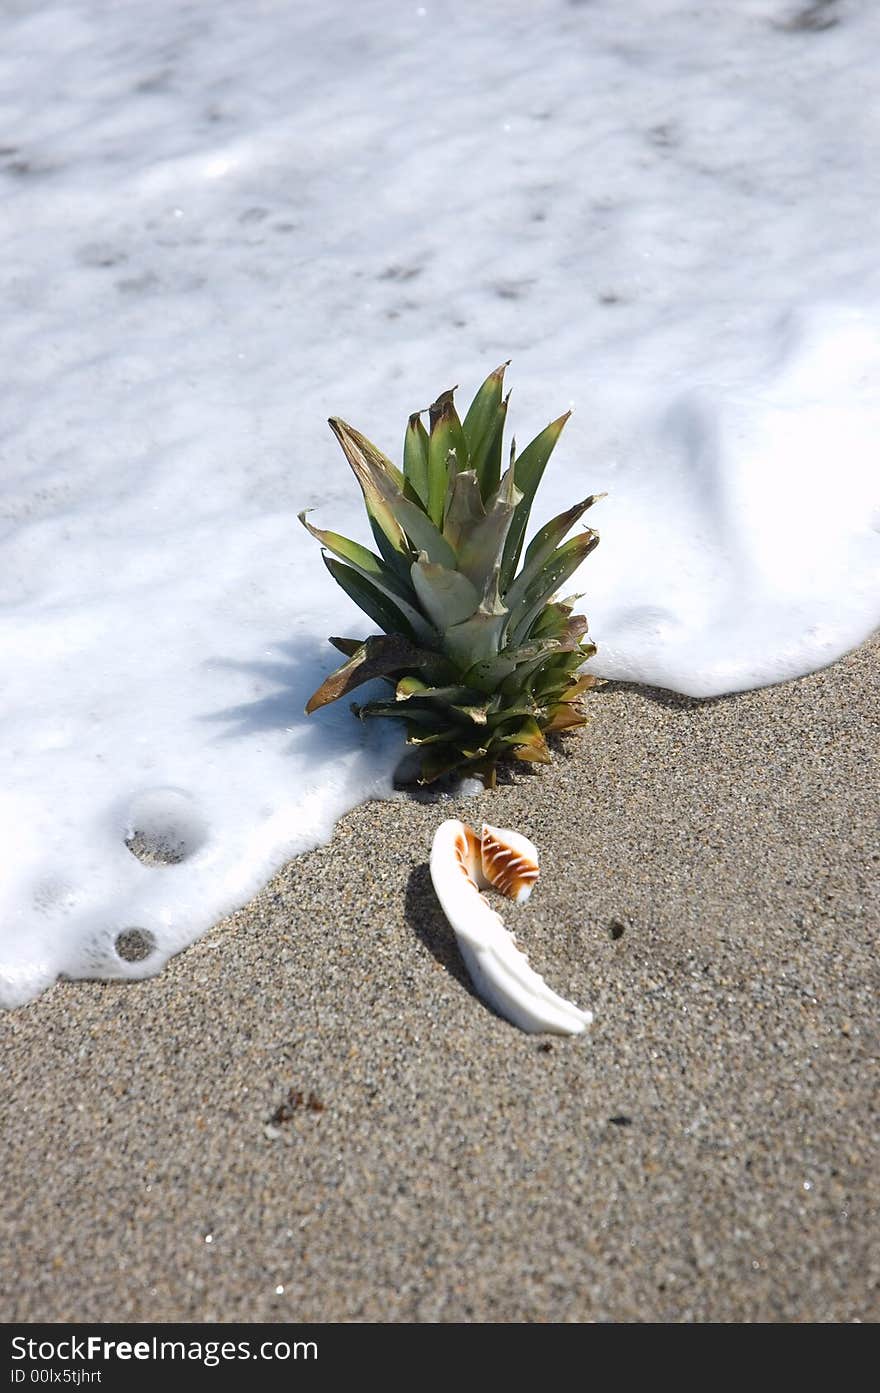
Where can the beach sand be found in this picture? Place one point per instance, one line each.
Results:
(309, 1116)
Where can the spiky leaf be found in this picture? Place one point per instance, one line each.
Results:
(483, 427)
(446, 596)
(464, 509)
(368, 464)
(563, 717)
(480, 551)
(530, 468)
(415, 460)
(528, 742)
(348, 646)
(476, 638)
(376, 657)
(493, 674)
(412, 688)
(543, 545)
(446, 440)
(368, 565)
(486, 458)
(562, 564)
(381, 610)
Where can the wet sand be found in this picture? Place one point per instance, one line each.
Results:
(309, 1115)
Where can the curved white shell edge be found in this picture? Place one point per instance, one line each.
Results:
(499, 971)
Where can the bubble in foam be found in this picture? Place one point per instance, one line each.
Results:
(163, 827)
(135, 945)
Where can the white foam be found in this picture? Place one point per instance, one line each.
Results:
(741, 540)
(222, 224)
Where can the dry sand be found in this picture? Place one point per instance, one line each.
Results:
(706, 1152)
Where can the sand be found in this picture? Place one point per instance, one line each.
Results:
(309, 1116)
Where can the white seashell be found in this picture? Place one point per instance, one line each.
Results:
(463, 864)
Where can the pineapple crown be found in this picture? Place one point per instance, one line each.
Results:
(482, 657)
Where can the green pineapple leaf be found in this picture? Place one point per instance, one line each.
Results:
(447, 597)
(447, 453)
(530, 468)
(367, 597)
(464, 509)
(481, 549)
(366, 562)
(562, 564)
(415, 461)
(543, 545)
(483, 427)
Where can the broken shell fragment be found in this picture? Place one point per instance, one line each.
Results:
(462, 865)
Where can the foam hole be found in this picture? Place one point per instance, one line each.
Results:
(163, 827)
(134, 945)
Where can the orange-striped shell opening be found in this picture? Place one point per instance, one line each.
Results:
(508, 870)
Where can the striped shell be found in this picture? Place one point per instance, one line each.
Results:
(509, 861)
